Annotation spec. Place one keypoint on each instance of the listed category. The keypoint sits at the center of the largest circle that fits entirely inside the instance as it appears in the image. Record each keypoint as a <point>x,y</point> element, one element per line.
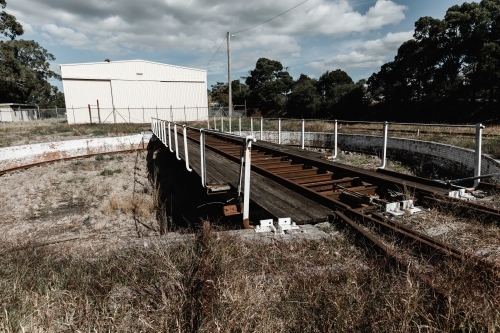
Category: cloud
<point>194,25</point>
<point>366,55</point>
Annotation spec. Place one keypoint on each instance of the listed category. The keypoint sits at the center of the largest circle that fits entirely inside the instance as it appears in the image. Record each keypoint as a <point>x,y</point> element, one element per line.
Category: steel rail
<point>283,176</point>
<point>32,165</point>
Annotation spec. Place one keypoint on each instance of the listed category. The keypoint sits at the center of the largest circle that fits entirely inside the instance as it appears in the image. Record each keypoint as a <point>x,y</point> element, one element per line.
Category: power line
<point>216,52</point>
<point>237,32</point>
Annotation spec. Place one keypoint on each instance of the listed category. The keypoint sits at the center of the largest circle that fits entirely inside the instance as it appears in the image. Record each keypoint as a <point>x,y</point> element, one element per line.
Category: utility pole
<point>230,94</point>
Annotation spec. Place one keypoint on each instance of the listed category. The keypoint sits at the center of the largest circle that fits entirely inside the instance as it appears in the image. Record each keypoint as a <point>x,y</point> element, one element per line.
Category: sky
<point>357,36</point>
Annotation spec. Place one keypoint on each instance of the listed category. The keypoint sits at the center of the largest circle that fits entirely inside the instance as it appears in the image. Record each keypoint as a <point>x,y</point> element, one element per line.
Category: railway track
<point>358,197</point>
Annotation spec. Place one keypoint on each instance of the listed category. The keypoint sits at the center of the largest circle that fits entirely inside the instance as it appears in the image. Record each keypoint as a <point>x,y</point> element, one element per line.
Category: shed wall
<point>163,91</point>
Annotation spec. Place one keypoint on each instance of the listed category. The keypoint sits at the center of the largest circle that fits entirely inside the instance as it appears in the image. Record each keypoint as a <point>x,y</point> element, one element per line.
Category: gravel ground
<point>86,201</point>
<point>90,203</point>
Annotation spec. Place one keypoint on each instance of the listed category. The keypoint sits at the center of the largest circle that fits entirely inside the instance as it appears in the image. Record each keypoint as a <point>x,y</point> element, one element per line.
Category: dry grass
<point>218,283</point>
<point>20,133</point>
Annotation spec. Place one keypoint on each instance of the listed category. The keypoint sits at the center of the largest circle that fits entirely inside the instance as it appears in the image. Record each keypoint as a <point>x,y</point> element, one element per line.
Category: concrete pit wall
<point>442,157</point>
<point>17,156</point>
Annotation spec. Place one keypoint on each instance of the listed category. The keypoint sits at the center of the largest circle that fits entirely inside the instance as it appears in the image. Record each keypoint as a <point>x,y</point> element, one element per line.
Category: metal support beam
<point>303,133</point>
<point>246,189</point>
<point>186,155</point>
<point>202,158</point>
<point>279,131</point>
<point>261,128</point>
<point>478,154</point>
<point>335,139</point>
<point>384,148</point>
<point>176,142</point>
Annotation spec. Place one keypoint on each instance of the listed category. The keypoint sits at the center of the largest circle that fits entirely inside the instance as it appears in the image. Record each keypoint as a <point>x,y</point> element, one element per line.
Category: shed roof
<point>137,70</point>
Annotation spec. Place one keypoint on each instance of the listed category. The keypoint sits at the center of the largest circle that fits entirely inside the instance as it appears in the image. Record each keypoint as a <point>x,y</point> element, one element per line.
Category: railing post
<point>215,124</point>
<point>384,148</point>
<point>303,132</point>
<point>186,156</point>
<point>230,121</point>
<point>478,153</point>
<point>335,132</point>
<point>246,190</point>
<point>279,131</point>
<point>170,138</point>
<point>176,142</point>
<point>261,128</point>
<point>251,125</point>
<point>164,132</point>
<point>239,124</point>
<point>221,123</point>
<point>202,158</point>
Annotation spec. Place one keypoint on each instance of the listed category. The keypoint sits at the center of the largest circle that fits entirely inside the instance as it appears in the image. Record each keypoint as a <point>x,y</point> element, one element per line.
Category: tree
<point>332,87</point>
<point>24,71</point>
<point>9,27</point>
<point>25,68</point>
<point>269,86</point>
<point>454,58</point>
<point>304,100</point>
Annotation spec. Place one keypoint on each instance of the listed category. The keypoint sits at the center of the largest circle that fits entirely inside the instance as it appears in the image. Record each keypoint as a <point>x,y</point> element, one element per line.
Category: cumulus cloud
<point>194,24</point>
<point>366,55</point>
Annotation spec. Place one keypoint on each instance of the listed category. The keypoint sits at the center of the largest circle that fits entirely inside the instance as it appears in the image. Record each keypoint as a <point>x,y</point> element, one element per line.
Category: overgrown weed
<point>217,282</point>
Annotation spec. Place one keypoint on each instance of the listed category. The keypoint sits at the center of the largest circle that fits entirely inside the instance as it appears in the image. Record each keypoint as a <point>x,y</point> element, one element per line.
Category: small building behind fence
<point>10,112</point>
<point>133,91</point>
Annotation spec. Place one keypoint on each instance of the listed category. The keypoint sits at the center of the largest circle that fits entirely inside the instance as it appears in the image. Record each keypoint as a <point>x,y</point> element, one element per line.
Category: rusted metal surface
<point>354,195</point>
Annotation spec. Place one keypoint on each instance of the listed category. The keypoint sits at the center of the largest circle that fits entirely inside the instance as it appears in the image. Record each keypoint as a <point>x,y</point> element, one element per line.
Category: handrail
<point>176,142</point>
<point>186,156</point>
<point>170,138</point>
<point>157,126</point>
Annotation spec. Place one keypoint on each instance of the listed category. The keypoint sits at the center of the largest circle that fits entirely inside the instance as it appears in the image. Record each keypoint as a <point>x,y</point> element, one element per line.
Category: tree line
<point>450,69</point>
<point>25,68</point>
<point>270,90</point>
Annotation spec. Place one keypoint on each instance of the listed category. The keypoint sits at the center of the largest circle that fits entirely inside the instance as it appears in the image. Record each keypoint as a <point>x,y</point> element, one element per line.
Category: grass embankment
<point>217,283</point>
<point>20,133</point>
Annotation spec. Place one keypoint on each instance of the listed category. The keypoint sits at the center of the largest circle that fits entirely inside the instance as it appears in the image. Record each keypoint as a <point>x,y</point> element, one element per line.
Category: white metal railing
<point>385,129</point>
<point>163,129</point>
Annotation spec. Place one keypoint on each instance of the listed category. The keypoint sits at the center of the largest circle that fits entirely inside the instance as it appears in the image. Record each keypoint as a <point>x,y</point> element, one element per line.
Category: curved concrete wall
<point>451,159</point>
<point>16,156</point>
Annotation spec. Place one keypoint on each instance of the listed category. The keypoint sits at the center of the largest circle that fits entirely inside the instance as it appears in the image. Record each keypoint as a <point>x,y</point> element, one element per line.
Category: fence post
<point>335,132</point>
<point>98,111</point>
<point>215,124</point>
<point>239,124</point>
<point>57,114</point>
<point>221,123</point>
<point>261,127</point>
<point>279,131</point>
<point>477,164</point>
<point>230,121</point>
<point>384,149</point>
<point>90,115</point>
<point>303,132</point>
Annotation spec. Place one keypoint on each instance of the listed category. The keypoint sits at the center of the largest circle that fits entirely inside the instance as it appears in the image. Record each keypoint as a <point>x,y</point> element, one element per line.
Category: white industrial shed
<point>10,112</point>
<point>133,91</point>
